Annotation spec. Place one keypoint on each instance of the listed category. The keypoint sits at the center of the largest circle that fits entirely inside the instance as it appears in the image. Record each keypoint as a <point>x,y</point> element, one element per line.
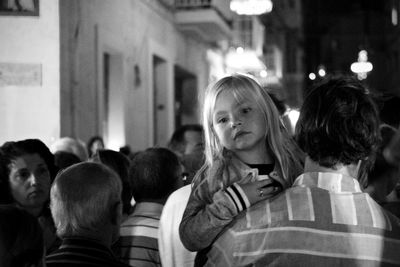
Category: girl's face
<point>240,126</point>
<point>29,180</point>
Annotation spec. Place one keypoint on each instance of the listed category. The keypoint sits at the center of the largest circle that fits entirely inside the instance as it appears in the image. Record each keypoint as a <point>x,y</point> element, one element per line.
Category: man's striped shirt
<point>80,251</point>
<point>323,220</point>
<point>138,243</point>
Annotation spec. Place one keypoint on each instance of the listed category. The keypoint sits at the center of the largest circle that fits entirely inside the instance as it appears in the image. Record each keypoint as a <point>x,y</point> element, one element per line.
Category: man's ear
<point>116,213</point>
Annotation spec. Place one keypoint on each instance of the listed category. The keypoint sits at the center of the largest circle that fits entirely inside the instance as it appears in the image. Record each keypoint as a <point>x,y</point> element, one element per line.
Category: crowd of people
<point>238,190</point>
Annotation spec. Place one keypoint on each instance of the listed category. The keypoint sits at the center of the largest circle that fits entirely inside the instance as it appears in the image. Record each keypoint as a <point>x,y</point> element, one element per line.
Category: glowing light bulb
<point>263,73</point>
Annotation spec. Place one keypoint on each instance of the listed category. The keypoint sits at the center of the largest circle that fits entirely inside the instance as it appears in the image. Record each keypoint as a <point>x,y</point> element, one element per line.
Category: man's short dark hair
<point>65,159</point>
<point>118,162</point>
<point>154,174</point>
<point>178,142</point>
<point>338,123</point>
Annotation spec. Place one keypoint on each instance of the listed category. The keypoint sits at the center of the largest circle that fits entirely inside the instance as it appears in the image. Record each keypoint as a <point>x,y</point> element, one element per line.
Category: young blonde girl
<point>244,137</point>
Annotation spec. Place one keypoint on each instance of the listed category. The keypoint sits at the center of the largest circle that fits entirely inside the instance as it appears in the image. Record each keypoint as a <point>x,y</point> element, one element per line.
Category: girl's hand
<point>260,190</point>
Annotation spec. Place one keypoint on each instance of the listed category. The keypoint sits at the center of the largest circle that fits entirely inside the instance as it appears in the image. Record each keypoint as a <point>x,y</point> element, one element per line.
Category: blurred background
<point>132,71</point>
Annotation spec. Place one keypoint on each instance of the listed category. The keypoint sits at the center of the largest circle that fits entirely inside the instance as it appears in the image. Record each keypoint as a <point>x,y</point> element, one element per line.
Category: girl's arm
<point>207,213</point>
<point>205,217</point>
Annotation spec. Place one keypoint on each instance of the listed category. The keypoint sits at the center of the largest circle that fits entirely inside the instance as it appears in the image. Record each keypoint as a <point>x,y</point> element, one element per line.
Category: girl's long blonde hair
<point>278,141</point>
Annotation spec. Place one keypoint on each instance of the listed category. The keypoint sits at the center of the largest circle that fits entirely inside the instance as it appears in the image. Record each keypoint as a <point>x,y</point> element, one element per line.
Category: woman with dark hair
<point>120,164</point>
<point>95,143</point>
<point>21,238</point>
<point>29,171</point>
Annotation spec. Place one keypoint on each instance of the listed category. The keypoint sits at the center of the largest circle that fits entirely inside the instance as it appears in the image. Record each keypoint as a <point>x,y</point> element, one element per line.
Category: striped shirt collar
<point>89,244</point>
<point>333,182</point>
<point>147,207</point>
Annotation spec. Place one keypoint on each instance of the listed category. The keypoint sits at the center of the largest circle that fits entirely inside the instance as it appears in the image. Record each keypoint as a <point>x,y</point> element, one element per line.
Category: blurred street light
<point>362,66</point>
<point>293,115</point>
<point>263,73</point>
<point>251,7</point>
<point>321,71</point>
<point>241,60</point>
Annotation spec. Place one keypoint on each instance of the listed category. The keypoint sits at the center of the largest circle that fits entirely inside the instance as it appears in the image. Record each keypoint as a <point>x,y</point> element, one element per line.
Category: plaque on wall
<point>20,74</point>
<point>19,7</point>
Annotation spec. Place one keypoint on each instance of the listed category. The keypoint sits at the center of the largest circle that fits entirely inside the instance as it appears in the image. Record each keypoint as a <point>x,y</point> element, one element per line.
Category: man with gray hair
<point>87,211</point>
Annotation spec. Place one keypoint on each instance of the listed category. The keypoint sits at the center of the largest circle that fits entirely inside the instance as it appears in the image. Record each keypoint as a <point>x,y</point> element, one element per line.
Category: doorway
<point>185,97</point>
<point>160,101</point>
<point>113,100</point>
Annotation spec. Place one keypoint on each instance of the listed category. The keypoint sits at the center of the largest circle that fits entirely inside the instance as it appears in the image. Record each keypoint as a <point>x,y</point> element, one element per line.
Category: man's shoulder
<point>283,207</point>
<point>67,263</point>
<point>74,263</point>
<point>180,195</point>
<point>80,252</point>
<point>311,221</point>
<point>143,223</point>
<point>176,204</point>
<point>144,213</point>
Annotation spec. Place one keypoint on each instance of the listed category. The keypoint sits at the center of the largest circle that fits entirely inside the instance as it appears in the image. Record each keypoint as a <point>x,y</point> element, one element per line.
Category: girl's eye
<point>222,120</point>
<point>246,110</point>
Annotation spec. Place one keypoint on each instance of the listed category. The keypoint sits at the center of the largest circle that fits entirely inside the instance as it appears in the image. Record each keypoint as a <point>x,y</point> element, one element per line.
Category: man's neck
<point>349,170</point>
<point>105,240</point>
<point>154,200</point>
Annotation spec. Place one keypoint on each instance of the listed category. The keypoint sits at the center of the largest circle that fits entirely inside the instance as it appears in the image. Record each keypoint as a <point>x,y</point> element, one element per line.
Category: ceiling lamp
<point>251,7</point>
<point>362,66</point>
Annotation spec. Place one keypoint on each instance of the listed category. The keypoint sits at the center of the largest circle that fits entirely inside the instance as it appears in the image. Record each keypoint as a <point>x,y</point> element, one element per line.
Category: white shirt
<point>172,251</point>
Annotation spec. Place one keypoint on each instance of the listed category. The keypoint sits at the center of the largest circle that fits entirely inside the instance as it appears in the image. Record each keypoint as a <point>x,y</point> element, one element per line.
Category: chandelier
<point>251,7</point>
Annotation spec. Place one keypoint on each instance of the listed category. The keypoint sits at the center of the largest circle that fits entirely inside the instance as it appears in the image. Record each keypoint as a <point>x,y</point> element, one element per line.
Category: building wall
<point>135,32</point>
<point>284,51</point>
<point>31,110</point>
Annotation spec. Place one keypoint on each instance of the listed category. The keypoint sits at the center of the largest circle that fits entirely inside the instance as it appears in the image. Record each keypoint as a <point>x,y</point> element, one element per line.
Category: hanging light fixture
<point>251,7</point>
<point>362,66</point>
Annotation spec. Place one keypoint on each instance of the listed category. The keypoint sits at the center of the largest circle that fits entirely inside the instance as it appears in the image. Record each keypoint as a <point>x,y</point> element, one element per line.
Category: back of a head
<point>119,163</point>
<point>338,123</point>
<point>115,160</point>
<point>21,238</point>
<point>154,173</point>
<point>65,159</point>
<point>71,145</point>
<point>82,197</point>
<point>126,150</point>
